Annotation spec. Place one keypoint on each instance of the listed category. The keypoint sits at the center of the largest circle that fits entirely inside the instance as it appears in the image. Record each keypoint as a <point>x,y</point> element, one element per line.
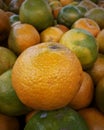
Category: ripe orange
<point>84,96</point>
<point>87,24</point>
<point>83,44</point>
<point>51,34</point>
<point>100,41</point>
<point>47,76</point>
<point>22,36</point>
<point>93,117</point>
<point>9,123</point>
<point>7,59</point>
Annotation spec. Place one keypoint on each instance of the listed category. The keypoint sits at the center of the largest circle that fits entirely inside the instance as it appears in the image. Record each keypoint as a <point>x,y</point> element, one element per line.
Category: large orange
<point>47,76</point>
<point>22,36</point>
<point>84,96</point>
<point>93,117</point>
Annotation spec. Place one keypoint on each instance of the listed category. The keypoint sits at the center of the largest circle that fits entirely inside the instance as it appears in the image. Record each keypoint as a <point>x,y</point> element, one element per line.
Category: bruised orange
<point>47,76</point>
<point>84,96</point>
<point>22,36</point>
<point>87,24</point>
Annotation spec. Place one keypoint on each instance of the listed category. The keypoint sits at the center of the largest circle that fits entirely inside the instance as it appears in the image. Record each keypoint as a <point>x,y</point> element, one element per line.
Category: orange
<point>97,14</point>
<point>84,96</point>
<point>87,24</point>
<point>93,117</point>
<point>4,25</point>
<point>22,36</point>
<point>99,94</point>
<point>37,13</point>
<point>9,102</point>
<point>83,44</point>
<point>9,123</point>
<point>61,119</point>
<point>65,2</point>
<point>62,27</point>
<point>100,41</point>
<point>88,4</point>
<point>51,34</point>
<point>68,15</point>
<point>47,76</point>
<point>7,59</point>
<point>29,115</point>
<point>97,70</point>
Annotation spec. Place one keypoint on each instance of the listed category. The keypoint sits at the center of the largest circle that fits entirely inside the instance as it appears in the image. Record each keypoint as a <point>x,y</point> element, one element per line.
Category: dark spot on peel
<point>54,46</point>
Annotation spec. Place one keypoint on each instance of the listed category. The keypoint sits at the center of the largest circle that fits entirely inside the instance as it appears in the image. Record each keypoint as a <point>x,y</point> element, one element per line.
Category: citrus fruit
<point>82,9</point>
<point>97,70</point>
<point>50,120</point>
<point>4,25</point>
<point>29,115</point>
<point>97,14</point>
<point>47,76</point>
<point>83,44</point>
<point>68,15</point>
<point>37,13</point>
<point>88,4</point>
<point>62,27</point>
<point>22,36</point>
<point>51,34</point>
<point>55,6</point>
<point>93,117</point>
<point>7,59</point>
<point>9,123</point>
<point>66,2</point>
<point>87,24</point>
<point>99,94</point>
<point>100,41</point>
<point>9,102</point>
<point>84,96</point>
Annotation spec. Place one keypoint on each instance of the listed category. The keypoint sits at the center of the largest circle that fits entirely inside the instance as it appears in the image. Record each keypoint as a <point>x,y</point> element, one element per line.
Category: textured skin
<point>47,76</point>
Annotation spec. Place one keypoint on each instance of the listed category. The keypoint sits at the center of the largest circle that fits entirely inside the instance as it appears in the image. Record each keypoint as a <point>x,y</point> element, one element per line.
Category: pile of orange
<point>52,57</point>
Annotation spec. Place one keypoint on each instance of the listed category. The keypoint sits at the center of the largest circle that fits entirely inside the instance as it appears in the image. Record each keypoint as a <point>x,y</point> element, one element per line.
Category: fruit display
<point>52,65</point>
